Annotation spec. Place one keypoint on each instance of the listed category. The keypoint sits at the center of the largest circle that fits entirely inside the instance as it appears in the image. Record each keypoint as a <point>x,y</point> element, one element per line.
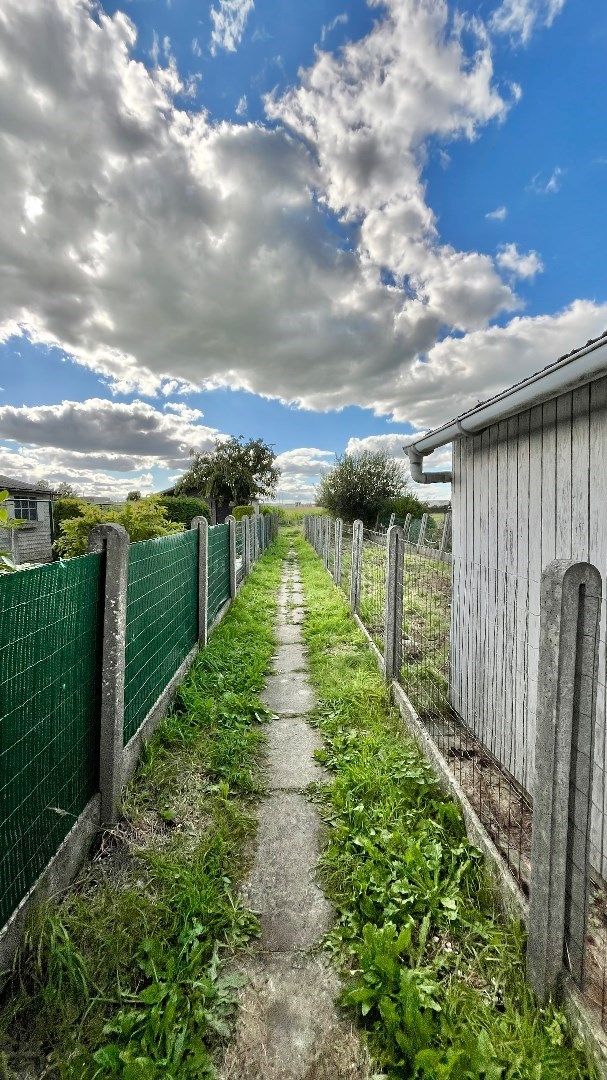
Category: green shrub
<point>64,509</point>
<point>183,508</point>
<point>142,520</point>
<point>241,512</point>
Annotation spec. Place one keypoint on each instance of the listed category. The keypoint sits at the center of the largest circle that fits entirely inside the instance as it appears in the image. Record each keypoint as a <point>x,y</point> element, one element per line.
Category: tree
<point>142,520</point>
<point>233,473</point>
<point>133,496</point>
<point>65,491</point>
<point>360,485</point>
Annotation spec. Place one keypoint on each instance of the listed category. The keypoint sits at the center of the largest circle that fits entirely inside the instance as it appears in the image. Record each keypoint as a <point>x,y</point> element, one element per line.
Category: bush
<point>142,520</point>
<point>240,512</point>
<point>359,485</point>
<point>401,506</point>
<point>64,509</point>
<point>183,508</point>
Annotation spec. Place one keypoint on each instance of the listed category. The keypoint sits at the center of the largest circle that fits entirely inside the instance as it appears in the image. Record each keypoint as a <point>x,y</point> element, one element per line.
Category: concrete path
<point>288,1027</point>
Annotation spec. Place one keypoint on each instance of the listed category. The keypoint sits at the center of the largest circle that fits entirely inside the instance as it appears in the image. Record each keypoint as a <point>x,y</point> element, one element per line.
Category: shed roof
<point>8,483</point>
<point>581,365</point>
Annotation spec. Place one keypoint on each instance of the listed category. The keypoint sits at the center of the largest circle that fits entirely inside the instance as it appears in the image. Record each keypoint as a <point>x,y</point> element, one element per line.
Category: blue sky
<point>363,217</point>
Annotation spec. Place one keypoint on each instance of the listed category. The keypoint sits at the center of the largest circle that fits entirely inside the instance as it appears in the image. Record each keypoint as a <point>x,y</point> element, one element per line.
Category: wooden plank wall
<point>527,490</point>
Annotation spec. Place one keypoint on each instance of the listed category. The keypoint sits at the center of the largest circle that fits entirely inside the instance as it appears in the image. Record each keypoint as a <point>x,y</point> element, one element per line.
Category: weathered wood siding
<point>32,544</point>
<point>525,491</point>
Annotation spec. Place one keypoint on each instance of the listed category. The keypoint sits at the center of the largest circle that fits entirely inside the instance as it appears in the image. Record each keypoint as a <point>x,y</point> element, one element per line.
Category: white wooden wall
<point>525,491</point>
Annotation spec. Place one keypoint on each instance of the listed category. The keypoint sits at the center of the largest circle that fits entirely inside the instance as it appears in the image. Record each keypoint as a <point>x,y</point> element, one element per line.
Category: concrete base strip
<point>288,1027</point>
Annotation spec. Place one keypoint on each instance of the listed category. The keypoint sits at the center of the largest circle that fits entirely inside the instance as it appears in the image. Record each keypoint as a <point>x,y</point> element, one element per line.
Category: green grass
<point>125,977</point>
<point>432,971</point>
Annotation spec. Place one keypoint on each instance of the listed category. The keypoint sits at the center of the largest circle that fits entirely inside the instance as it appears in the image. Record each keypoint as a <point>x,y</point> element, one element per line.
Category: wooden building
<point>529,484</point>
<point>32,505</point>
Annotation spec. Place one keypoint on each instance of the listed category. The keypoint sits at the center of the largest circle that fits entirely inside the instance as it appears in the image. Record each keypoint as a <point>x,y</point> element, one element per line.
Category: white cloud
<point>339,20</point>
<point>109,434</point>
<point>522,265</point>
<point>499,214</point>
<point>242,106</point>
<point>520,18</point>
<point>196,47</point>
<point>461,371</point>
<point>229,21</point>
<point>87,475</point>
<point>173,252</point>
<point>301,470</point>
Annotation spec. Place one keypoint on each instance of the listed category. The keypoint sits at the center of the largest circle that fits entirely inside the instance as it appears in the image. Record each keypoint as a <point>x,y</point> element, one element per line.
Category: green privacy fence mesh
<point>161,619</point>
<point>50,659</point>
<point>219,570</point>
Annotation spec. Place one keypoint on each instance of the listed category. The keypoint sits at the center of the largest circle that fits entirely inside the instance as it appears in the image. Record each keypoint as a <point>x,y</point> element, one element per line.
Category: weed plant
<point>433,972</point>
<point>125,977</point>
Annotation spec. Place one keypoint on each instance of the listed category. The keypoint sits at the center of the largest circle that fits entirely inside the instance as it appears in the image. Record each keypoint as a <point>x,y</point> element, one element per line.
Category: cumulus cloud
<point>87,474</point>
<point>166,251</point>
<point>492,359</point>
<point>520,18</point>
<point>118,435</point>
<point>229,21</point>
<point>523,265</point>
<point>300,472</point>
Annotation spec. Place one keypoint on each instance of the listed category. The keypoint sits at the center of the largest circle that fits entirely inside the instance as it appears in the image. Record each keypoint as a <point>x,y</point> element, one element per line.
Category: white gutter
<point>580,367</point>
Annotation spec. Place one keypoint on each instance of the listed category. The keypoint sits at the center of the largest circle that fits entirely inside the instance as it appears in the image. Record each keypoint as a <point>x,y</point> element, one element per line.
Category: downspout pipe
<point>574,370</point>
<point>416,459</point>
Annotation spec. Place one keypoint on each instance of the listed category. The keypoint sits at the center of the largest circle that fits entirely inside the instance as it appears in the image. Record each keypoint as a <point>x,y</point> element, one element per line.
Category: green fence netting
<point>50,656</point>
<point>219,570</point>
<point>161,619</point>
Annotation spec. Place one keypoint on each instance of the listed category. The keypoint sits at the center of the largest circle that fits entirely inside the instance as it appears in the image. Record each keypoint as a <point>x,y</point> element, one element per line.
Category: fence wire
<point>49,714</point>
<point>373,585</point>
<point>240,527</point>
<point>219,570</point>
<point>161,619</point>
<point>346,559</point>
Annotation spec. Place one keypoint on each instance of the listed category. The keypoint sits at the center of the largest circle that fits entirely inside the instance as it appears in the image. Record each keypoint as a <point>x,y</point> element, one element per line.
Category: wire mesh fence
<point>240,528</point>
<point>468,665</point>
<point>49,707</point>
<point>373,585</point>
<point>219,570</point>
<point>54,652</point>
<point>161,619</point>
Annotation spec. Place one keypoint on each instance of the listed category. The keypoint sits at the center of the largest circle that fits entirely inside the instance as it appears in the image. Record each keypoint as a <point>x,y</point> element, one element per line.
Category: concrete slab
<point>293,911</point>
<point>291,746</point>
<point>289,694</point>
<point>296,616</point>
<point>288,634</point>
<point>288,1028</point>
<point>289,658</point>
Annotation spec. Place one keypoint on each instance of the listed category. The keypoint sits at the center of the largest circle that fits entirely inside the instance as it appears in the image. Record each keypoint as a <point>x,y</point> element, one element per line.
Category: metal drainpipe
<point>417,473</point>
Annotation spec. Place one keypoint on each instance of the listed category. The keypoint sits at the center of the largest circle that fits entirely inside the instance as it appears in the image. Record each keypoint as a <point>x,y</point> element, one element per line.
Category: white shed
<point>529,486</point>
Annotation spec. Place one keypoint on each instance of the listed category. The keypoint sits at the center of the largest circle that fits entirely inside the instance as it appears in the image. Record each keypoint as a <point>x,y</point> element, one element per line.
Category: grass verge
<point>432,971</point>
<point>124,977</point>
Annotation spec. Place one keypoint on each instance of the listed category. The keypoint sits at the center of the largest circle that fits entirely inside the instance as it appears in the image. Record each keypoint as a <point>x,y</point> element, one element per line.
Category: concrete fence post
<point>357,565</point>
<point>112,541</point>
<point>406,527</point>
<point>422,532</point>
<point>202,525</point>
<point>445,533</point>
<point>339,528</point>
<point>570,604</point>
<point>231,522</point>
<point>393,630</point>
<point>391,521</point>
